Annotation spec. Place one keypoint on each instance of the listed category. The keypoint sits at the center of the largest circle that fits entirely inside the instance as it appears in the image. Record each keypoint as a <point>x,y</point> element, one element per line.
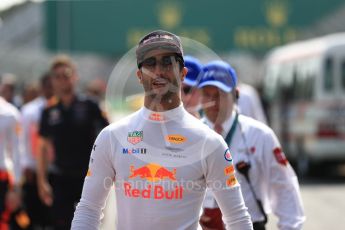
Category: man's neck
<point>161,105</point>
<point>67,99</point>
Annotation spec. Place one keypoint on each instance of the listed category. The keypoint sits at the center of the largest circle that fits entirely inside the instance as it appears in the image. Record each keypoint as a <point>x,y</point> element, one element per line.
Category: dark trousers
<point>39,214</point>
<point>259,225</point>
<point>67,191</point>
<point>16,220</point>
<point>212,219</point>
<point>4,213</point>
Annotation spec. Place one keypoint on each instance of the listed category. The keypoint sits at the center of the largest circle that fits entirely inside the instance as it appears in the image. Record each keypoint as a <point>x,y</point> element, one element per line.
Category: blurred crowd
<point>47,129</point>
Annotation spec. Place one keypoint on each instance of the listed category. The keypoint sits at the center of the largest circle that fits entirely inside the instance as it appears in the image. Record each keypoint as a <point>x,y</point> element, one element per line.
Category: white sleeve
<point>283,188</point>
<point>98,181</point>
<point>220,178</point>
<point>26,137</point>
<point>14,146</point>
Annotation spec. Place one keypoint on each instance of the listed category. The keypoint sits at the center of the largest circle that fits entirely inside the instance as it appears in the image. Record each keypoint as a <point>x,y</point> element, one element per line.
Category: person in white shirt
<point>9,149</point>
<point>161,158</point>
<point>249,103</point>
<point>268,181</point>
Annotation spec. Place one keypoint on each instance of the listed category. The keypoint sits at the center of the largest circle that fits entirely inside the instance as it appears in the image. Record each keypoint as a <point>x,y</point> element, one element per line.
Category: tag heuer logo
<point>135,137</point>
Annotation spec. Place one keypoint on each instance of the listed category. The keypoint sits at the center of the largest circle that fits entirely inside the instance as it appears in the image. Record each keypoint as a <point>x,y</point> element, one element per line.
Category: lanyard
<point>230,134</point>
<point>243,167</point>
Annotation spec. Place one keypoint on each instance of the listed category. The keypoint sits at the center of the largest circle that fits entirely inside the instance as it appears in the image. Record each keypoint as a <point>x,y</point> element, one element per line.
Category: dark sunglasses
<point>166,62</point>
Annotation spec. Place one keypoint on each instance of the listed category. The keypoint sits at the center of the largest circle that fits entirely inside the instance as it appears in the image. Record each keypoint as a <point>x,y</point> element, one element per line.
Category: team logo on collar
<point>156,117</point>
<point>135,137</point>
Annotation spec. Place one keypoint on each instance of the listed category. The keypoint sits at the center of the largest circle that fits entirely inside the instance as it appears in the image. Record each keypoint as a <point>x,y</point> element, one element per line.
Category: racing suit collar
<point>153,116</point>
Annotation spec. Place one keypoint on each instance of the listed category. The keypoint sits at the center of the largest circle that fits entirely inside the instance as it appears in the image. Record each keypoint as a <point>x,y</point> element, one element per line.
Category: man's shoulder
<point>84,99</point>
<point>253,125</point>
<point>9,110</point>
<point>33,106</point>
<point>199,125</point>
<point>123,122</point>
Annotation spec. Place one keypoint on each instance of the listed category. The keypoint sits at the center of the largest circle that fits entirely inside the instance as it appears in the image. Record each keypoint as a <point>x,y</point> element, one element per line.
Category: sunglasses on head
<point>166,62</point>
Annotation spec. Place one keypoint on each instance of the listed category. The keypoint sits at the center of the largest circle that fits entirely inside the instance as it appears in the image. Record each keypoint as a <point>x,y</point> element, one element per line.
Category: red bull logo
<point>156,117</point>
<point>153,173</point>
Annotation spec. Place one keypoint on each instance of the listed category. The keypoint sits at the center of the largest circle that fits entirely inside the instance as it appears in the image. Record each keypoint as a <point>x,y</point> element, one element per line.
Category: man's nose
<point>159,70</point>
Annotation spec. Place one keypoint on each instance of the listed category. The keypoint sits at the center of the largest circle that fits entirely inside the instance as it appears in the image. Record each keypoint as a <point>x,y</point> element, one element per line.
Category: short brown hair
<point>62,60</point>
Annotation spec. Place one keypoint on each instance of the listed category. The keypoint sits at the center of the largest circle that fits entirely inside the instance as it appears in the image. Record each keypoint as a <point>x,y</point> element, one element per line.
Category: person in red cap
<point>161,158</point>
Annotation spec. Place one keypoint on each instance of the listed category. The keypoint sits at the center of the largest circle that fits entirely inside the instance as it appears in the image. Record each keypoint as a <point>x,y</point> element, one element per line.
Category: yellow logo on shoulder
<point>231,181</point>
<point>88,173</point>
<point>175,139</point>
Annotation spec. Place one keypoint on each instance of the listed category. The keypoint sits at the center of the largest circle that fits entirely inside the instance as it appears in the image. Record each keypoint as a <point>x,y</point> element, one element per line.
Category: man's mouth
<point>160,82</point>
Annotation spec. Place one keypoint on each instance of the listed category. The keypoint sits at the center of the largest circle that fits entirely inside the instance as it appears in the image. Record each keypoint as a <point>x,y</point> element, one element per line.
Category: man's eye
<point>166,61</point>
<point>150,62</point>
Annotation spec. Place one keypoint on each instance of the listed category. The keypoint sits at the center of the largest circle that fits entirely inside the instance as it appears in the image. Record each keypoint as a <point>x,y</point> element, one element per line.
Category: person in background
<point>160,157</point>
<point>267,179</point>
<point>190,92</point>
<point>8,89</point>
<point>10,199</point>
<point>30,92</point>
<point>39,213</point>
<point>249,103</point>
<point>68,128</point>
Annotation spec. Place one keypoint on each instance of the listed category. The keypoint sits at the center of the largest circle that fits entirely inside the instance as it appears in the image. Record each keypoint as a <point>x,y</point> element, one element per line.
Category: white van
<point>304,84</point>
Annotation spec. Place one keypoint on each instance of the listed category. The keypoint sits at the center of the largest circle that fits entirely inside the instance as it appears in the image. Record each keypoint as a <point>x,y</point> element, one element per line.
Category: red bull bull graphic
<point>153,173</point>
<point>135,137</point>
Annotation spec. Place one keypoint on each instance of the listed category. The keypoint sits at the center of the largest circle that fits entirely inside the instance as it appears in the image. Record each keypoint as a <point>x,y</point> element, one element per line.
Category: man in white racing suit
<point>161,158</point>
<point>267,180</point>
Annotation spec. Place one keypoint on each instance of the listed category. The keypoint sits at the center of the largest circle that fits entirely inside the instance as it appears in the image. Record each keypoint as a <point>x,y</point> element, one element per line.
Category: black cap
<point>158,39</point>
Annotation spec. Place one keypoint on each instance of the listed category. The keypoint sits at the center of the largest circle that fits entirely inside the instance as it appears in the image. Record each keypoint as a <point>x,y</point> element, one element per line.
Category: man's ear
<point>237,93</point>
<point>184,73</point>
<point>140,76</point>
